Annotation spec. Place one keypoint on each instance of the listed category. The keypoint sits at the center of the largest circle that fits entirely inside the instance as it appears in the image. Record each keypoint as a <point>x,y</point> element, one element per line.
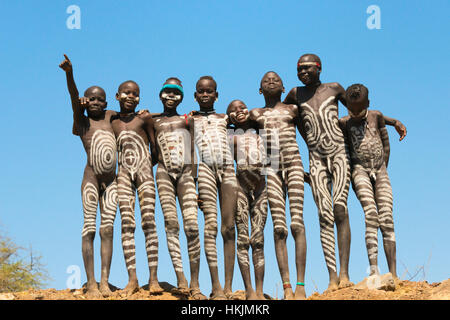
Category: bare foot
<point>154,288</point>
<point>260,296</point>
<point>300,293</point>
<point>288,294</point>
<point>344,282</point>
<point>92,291</point>
<point>251,295</point>
<point>104,289</point>
<point>132,287</point>
<point>196,294</point>
<point>218,295</point>
<point>228,293</point>
<point>333,286</point>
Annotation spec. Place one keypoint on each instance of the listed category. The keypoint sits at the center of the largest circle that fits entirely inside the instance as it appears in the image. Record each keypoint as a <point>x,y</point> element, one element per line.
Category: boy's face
<point>97,102</point>
<point>271,84</point>
<point>205,93</point>
<point>238,112</point>
<point>128,96</point>
<point>171,97</point>
<point>357,108</point>
<point>308,74</point>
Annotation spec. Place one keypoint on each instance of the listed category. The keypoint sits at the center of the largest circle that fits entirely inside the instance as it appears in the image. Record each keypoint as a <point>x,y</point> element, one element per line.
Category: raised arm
<point>384,138</point>
<point>77,105</point>
<point>401,129</point>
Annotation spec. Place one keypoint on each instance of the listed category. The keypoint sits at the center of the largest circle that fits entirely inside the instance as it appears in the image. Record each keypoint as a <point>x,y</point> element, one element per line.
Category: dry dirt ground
<point>405,290</point>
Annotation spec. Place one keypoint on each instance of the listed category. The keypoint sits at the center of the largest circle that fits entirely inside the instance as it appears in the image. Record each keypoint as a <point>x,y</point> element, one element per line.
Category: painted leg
<point>258,221</point>
<point>90,202</point>
<point>166,191</point>
<point>187,198</point>
<point>228,199</point>
<point>384,199</point>
<point>321,189</point>
<point>108,205</point>
<point>207,190</point>
<point>341,184</point>
<point>126,197</point>
<point>243,243</point>
<point>277,197</point>
<point>364,191</point>
<point>296,195</point>
<point>147,195</point>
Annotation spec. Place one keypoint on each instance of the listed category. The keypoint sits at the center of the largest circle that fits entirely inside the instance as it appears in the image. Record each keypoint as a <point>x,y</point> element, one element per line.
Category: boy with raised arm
<point>369,148</point>
<point>134,132</point>
<point>276,121</point>
<point>99,185</point>
<point>249,154</point>
<point>328,163</point>
<point>215,175</point>
<point>174,179</point>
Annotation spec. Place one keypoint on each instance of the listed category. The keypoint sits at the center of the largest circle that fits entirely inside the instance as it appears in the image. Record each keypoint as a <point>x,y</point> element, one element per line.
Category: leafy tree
<point>20,269</point>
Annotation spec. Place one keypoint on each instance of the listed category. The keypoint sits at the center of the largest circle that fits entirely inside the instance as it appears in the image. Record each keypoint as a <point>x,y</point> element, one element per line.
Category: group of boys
<point>251,167</point>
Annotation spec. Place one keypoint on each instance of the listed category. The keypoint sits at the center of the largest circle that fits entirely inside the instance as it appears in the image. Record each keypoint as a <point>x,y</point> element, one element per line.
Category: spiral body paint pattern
<point>329,168</point>
<point>135,174</point>
<point>103,152</point>
<point>372,186</point>
<point>250,160</point>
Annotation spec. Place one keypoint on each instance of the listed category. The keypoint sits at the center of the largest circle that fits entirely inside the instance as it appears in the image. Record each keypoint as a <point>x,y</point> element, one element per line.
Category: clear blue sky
<point>404,65</point>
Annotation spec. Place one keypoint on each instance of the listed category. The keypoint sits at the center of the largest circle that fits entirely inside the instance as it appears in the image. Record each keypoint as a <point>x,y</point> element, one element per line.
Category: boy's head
<point>128,96</point>
<point>97,101</point>
<point>171,93</point>
<point>271,84</point>
<point>206,92</point>
<point>357,97</point>
<point>238,112</point>
<point>309,67</point>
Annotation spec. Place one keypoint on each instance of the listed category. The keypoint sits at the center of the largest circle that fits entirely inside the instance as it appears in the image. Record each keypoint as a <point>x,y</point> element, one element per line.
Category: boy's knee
<point>280,233</point>
<point>172,226</point>
<point>297,229</point>
<point>257,243</point>
<point>191,231</point>
<point>88,235</point>
<point>340,214</point>
<point>243,244</point>
<point>106,232</point>
<point>228,231</point>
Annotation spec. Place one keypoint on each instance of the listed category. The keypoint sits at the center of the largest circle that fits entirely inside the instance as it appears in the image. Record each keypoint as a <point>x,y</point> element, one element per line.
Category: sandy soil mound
<point>404,290</point>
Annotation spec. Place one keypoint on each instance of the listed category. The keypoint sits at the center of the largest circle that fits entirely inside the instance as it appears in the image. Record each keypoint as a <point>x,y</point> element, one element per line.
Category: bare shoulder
<point>335,86</point>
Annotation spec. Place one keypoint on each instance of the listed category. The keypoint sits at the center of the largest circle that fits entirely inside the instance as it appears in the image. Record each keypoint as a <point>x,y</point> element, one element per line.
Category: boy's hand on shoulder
<point>66,65</point>
<point>142,112</point>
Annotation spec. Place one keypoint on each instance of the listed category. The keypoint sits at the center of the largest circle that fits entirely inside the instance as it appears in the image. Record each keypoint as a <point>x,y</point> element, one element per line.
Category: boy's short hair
<point>357,92</point>
<point>208,78</point>
<point>126,82</point>
<point>174,79</point>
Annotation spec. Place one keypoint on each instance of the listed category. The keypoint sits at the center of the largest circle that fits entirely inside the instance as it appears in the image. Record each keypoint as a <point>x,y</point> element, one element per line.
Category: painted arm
<point>77,105</point>
<point>384,138</point>
<point>340,93</point>
<point>190,119</point>
<point>150,129</point>
<point>291,97</point>
<point>401,129</point>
